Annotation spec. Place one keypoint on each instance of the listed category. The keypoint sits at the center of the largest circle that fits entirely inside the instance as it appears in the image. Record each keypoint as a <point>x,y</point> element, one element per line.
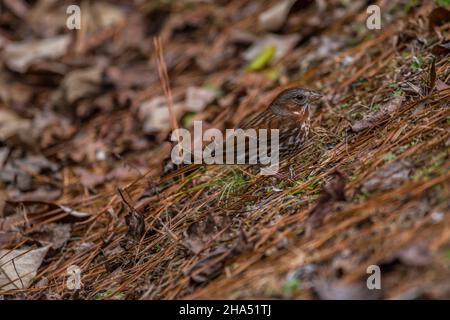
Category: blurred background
<point>83,112</point>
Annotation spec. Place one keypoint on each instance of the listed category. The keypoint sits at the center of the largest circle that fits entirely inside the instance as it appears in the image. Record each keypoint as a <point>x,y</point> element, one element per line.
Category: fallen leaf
<point>83,247</point>
<point>339,290</point>
<point>136,225</point>
<point>9,238</point>
<point>19,267</point>
<point>106,14</point>
<point>87,178</point>
<point>372,119</point>
<point>199,234</point>
<point>441,85</point>
<point>82,83</point>
<point>213,262</point>
<point>273,18</point>
<point>13,222</point>
<point>389,176</point>
<point>20,55</point>
<point>209,266</point>
<point>417,255</point>
<point>134,76</point>
<point>198,98</point>
<point>46,18</point>
<point>438,17</point>
<point>12,125</point>
<point>441,49</point>
<point>19,7</point>
<point>324,47</point>
<point>134,220</point>
<point>51,128</point>
<point>40,194</point>
<point>155,114</point>
<point>53,235</point>
<point>332,192</point>
<point>20,172</point>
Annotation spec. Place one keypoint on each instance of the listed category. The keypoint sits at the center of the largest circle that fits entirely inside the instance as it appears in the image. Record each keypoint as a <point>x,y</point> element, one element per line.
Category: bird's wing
<point>251,121</point>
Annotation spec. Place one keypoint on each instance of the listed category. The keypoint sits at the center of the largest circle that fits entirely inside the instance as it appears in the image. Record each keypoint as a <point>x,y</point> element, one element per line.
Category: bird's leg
<point>276,180</point>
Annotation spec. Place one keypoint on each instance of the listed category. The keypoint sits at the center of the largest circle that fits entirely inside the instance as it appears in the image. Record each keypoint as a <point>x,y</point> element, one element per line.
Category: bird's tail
<point>210,150</point>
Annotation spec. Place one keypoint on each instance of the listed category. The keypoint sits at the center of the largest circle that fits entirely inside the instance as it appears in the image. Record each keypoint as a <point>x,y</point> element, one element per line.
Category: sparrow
<point>289,112</point>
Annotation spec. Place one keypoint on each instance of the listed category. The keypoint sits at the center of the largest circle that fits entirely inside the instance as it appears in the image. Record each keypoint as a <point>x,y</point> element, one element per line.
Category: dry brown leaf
<point>155,114</point>
<point>11,124</point>
<point>372,119</point>
<point>198,98</point>
<point>82,83</point>
<point>389,176</point>
<point>20,55</point>
<point>201,233</point>
<point>441,49</point>
<point>417,255</point>
<point>52,234</point>
<point>438,17</point>
<point>106,14</point>
<point>19,267</point>
<point>332,192</point>
<point>339,290</point>
<point>273,18</point>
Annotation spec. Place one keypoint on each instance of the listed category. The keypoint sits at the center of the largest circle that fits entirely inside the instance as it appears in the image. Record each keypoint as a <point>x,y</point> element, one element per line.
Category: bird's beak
<point>314,96</point>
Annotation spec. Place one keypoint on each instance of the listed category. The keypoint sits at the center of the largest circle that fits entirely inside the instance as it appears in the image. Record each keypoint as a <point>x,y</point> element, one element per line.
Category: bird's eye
<point>299,98</point>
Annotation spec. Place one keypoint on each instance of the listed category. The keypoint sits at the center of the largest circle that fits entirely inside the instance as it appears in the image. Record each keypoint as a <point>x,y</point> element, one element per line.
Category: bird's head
<point>295,101</point>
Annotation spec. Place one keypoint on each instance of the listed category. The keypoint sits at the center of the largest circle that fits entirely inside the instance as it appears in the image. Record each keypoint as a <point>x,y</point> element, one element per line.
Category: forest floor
<point>84,131</point>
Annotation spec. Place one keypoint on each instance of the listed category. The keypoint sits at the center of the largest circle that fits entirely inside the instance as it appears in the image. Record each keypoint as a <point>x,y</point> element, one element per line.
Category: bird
<point>289,112</point>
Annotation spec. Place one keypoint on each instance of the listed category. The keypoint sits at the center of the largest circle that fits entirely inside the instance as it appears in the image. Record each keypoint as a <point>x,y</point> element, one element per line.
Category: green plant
<point>416,64</point>
<point>291,285</point>
<point>110,293</point>
<point>231,184</point>
<point>442,3</point>
<point>388,156</point>
<point>262,59</point>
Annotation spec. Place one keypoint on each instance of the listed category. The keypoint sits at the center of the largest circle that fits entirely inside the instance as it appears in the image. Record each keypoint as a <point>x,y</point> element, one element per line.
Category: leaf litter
<point>83,117</point>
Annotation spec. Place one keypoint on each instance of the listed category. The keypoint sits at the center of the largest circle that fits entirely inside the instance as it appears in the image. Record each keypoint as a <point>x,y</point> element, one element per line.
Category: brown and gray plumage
<point>289,112</point>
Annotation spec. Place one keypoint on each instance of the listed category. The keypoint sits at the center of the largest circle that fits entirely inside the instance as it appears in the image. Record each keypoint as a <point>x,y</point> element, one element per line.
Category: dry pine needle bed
<point>82,162</point>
